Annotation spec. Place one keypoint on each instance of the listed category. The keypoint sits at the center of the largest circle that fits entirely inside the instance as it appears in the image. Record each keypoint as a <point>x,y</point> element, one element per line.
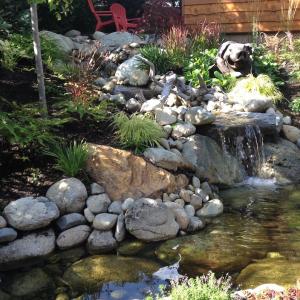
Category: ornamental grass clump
<point>137,132</point>
<point>206,287</point>
<point>262,85</point>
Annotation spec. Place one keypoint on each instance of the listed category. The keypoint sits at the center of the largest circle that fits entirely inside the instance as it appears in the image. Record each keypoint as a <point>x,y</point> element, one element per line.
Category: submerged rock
<point>30,213</point>
<point>34,245</point>
<point>149,220</point>
<point>279,271</point>
<point>125,175</point>
<point>211,162</point>
<point>91,272</point>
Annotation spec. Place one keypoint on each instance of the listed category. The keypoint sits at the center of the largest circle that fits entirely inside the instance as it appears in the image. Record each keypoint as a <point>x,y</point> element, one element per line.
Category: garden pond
<point>256,241</point>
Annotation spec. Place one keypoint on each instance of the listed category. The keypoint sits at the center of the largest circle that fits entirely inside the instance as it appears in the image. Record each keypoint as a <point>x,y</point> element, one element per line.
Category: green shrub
<point>70,159</point>
<point>199,64</point>
<point>206,287</point>
<point>25,126</point>
<point>137,132</point>
<point>158,56</point>
<point>226,81</point>
<point>265,62</point>
<point>295,105</point>
<point>262,85</point>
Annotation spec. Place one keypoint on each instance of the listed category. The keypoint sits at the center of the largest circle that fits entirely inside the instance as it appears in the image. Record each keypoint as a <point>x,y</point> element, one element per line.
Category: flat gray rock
<point>30,213</point>
<point>33,245</point>
<point>71,220</point>
<point>69,195</point>
<point>7,235</point>
<point>101,242</point>
<point>73,237</point>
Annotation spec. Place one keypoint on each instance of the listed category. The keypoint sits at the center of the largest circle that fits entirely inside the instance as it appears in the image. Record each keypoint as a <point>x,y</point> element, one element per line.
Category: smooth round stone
<point>186,195</point>
<point>89,215</point>
<point>97,189</point>
<point>211,209</point>
<point>7,235</point>
<point>69,195</point>
<point>98,204</point>
<point>182,218</point>
<point>115,207</point>
<point>3,222</point>
<point>190,210</point>
<point>101,242</point>
<point>120,228</point>
<point>206,188</point>
<point>71,220</point>
<point>127,204</point>
<point>30,213</point>
<point>196,201</point>
<point>173,197</point>
<point>180,202</point>
<point>73,237</point>
<point>196,182</point>
<point>105,221</point>
<point>195,224</point>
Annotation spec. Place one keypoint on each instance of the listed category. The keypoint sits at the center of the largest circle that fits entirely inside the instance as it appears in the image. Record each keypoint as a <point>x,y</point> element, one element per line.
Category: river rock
<point>133,71</point>
<point>182,218</point>
<point>279,271</point>
<point>196,201</point>
<point>211,162</point>
<point>151,105</point>
<point>98,203</point>
<point>125,175</point>
<point>69,195</point>
<point>105,221</point>
<point>282,162</point>
<point>3,222</point>
<point>196,182</point>
<point>89,215</point>
<point>292,133</point>
<point>7,235</point>
<point>148,220</point>
<point>195,224</point>
<point>71,220</point>
<point>29,284</point>
<point>133,105</point>
<point>101,242</point>
<point>33,245</point>
<point>197,115</point>
<point>165,159</point>
<point>127,204</point>
<point>115,207</point>
<point>190,210</point>
<point>30,213</point>
<point>221,247</point>
<point>98,35</point>
<point>183,130</point>
<point>64,43</point>
<point>165,116</point>
<point>73,237</point>
<point>118,39</point>
<point>211,209</point>
<point>90,272</point>
<point>97,189</point>
<point>120,228</point>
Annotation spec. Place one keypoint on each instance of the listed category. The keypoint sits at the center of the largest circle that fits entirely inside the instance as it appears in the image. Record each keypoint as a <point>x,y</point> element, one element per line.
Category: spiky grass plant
<point>137,132</point>
<point>261,85</point>
<point>70,159</point>
<point>206,287</point>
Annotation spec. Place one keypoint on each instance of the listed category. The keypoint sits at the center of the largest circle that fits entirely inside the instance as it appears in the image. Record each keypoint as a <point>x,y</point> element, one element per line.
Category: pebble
<point>196,182</point>
<point>186,195</point>
<point>180,202</point>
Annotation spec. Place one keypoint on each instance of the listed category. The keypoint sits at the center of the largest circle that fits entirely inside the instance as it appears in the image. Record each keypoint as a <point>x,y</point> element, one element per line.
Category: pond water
<point>256,241</point>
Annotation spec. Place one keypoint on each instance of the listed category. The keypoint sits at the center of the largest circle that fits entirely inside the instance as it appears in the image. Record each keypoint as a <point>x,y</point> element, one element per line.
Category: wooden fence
<point>237,16</point>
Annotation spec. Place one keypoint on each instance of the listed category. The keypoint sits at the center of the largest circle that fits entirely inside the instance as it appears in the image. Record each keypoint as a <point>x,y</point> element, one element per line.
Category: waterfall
<point>246,146</point>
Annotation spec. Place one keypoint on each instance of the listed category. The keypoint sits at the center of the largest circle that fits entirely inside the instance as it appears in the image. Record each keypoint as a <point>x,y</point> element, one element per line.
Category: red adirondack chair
<point>120,18</point>
<point>98,14</point>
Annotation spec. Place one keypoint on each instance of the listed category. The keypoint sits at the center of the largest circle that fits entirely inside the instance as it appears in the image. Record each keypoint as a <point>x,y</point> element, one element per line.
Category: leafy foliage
<point>262,85</point>
<point>25,126</point>
<point>70,159</point>
<point>226,81</point>
<point>206,287</point>
<point>137,132</point>
<point>295,105</point>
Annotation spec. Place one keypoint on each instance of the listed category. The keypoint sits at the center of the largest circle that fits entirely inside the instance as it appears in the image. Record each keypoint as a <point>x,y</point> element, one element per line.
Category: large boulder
<point>271,270</point>
<point>125,175</point>
<point>211,162</point>
<point>133,71</point>
<point>89,273</point>
<point>166,159</point>
<point>282,162</point>
<point>34,245</point>
<point>149,220</point>
<point>31,213</point>
<point>64,43</point>
<point>69,195</point>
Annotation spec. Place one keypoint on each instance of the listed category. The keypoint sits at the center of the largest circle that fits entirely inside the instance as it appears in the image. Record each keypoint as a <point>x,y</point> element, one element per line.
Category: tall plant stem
<point>38,58</point>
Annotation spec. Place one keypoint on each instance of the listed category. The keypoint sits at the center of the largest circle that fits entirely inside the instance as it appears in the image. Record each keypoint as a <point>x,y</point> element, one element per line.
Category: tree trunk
<point>38,58</point>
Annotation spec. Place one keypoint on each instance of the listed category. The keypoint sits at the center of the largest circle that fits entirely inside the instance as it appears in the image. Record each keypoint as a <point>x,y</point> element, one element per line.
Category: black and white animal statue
<point>235,59</point>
